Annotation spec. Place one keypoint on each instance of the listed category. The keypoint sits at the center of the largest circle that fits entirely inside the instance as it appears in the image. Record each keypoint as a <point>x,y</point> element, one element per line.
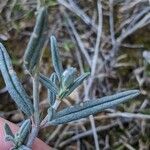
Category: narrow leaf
<point>8,131</point>
<point>24,131</point>
<point>48,83</point>
<point>52,95</point>
<point>91,107</point>
<point>55,57</point>
<point>13,84</point>
<point>37,40</point>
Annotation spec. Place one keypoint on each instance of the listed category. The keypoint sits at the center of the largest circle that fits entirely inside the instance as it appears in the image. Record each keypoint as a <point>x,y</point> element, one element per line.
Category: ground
<point>119,32</point>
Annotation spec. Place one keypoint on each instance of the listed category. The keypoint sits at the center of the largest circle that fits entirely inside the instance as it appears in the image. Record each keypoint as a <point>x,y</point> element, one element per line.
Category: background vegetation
<point>110,38</point>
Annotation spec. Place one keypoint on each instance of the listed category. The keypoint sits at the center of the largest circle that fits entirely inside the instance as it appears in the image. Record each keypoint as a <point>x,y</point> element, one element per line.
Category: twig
<point>143,22</point>
<point>74,8</point>
<point>132,4</point>
<point>54,133</point>
<point>78,39</point>
<point>61,136</point>
<point>87,133</point>
<point>111,21</point>
<point>94,132</point>
<point>98,39</point>
<point>127,145</point>
<point>93,68</point>
<point>95,57</point>
<point>107,146</point>
<point>77,51</point>
<point>124,114</point>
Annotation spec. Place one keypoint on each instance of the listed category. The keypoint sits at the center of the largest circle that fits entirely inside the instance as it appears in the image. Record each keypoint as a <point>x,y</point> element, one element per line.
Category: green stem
<point>36,127</point>
<point>55,106</point>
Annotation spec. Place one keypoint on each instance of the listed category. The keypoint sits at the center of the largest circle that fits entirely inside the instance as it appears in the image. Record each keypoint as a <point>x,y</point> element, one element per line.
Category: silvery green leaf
<point>23,132</point>
<point>51,112</point>
<point>37,40</point>
<point>9,136</point>
<point>74,85</point>
<point>55,57</point>
<point>48,83</point>
<point>91,107</point>
<point>52,95</point>
<point>13,84</point>
<point>8,130</point>
<point>68,77</point>
<point>25,129</point>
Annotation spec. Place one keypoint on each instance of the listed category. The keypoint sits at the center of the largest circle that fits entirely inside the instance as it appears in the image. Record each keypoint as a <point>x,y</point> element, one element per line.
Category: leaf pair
<point>50,83</point>
<point>13,84</point>
<point>37,40</point>
<point>20,137</point>
<point>67,78</point>
<point>91,107</point>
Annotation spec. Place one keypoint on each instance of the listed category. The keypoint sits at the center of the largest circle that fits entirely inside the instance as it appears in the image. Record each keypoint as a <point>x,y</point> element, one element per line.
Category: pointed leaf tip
<point>23,132</point>
<point>55,57</point>
<point>48,84</point>
<point>8,130</point>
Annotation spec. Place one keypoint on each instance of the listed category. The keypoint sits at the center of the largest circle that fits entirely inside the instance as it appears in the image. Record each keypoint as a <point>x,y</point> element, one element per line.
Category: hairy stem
<point>35,128</point>
<point>45,120</point>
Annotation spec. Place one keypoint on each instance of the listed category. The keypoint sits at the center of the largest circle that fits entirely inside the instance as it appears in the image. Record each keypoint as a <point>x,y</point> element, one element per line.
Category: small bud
<point>68,77</point>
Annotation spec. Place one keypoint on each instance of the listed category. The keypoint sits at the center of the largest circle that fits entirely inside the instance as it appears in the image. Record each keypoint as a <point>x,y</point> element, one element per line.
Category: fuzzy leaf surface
<point>13,84</point>
<point>48,83</point>
<point>91,107</point>
<point>37,40</point>
<point>24,130</point>
<point>52,95</point>
<point>55,57</point>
